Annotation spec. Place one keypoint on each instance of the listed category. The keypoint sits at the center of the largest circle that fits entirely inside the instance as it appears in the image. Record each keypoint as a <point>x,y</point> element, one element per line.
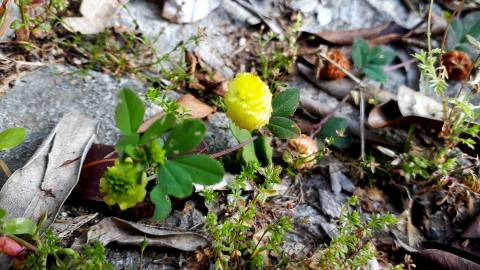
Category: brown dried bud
<point>458,65</point>
<point>330,71</point>
<point>301,149</point>
<point>22,34</point>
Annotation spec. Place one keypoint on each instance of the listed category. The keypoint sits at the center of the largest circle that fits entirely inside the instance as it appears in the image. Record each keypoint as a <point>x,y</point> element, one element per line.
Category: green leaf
<point>360,52</point>
<point>455,34</point>
<point>248,151</point>
<point>381,56</point>
<point>129,112</point>
<point>283,128</point>
<point>330,128</point>
<point>11,137</point>
<point>471,24</point>
<point>19,226</point>
<point>376,73</point>
<point>127,140</point>
<point>175,180</point>
<point>286,103</point>
<point>3,213</point>
<point>163,206</point>
<point>185,137</point>
<point>264,150</point>
<point>158,128</point>
<point>202,168</point>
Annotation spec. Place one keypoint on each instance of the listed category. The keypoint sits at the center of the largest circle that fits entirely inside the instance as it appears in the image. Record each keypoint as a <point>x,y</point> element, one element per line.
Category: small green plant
<point>233,246</point>
<point>352,247</point>
<point>459,31</point>
<point>371,61</point>
<point>278,54</point>
<point>44,250</point>
<point>167,158</point>
<point>50,255</point>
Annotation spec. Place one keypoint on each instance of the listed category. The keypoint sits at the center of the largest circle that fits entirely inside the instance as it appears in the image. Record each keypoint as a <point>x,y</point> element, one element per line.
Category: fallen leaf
<point>188,11</point>
<point>204,77</point>
<point>64,227</point>
<point>410,107</point>
<point>88,185</point>
<point>97,15</point>
<point>124,232</point>
<point>196,107</point>
<point>442,260</point>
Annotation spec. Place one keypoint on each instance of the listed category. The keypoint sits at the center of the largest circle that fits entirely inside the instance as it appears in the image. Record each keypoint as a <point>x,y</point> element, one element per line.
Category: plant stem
<point>329,115</point>
<point>429,28</point>
<point>234,148</point>
<point>23,242</point>
<point>98,162</point>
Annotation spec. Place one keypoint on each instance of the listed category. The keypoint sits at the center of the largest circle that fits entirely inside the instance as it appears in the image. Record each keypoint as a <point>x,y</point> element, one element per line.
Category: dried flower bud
<point>22,34</point>
<point>248,101</point>
<point>330,71</point>
<point>458,65</point>
<point>303,149</point>
<point>9,247</point>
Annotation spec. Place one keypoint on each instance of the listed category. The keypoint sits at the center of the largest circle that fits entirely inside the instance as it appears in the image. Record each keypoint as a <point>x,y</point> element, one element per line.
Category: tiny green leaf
<point>185,137</point>
<point>360,51</point>
<point>163,206</point>
<point>3,213</point>
<point>202,168</point>
<point>381,56</point>
<point>248,151</point>
<point>330,129</point>
<point>283,128</point>
<point>19,226</point>
<point>285,104</point>
<point>158,128</point>
<point>129,112</point>
<point>11,137</point>
<point>376,73</point>
<point>264,150</point>
<point>126,140</point>
<point>175,180</point>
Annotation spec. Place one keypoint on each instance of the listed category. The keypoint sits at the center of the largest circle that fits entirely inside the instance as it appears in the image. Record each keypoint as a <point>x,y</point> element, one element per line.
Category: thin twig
<point>5,168</point>
<point>97,162</point>
<point>22,242</point>
<point>362,123</point>
<point>329,115</point>
<point>401,65</point>
<point>234,148</point>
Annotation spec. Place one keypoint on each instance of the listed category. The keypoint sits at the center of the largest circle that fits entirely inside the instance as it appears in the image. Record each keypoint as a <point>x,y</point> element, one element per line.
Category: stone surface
<point>38,101</point>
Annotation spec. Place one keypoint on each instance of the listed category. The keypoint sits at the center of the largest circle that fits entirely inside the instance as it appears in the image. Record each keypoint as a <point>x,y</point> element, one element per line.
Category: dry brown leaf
<point>123,232</point>
<point>97,15</point>
<point>197,108</point>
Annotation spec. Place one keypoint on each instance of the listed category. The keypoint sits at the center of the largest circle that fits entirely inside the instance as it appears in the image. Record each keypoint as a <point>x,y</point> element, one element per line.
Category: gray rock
<point>330,203</point>
<point>312,222</point>
<point>38,100</point>
<point>218,136</point>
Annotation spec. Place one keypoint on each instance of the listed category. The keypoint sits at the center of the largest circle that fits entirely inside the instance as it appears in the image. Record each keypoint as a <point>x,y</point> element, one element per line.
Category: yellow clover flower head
<point>123,184</point>
<point>248,101</point>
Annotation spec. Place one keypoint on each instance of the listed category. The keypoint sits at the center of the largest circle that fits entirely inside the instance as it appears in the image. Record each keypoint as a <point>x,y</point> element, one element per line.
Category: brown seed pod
<point>301,148</point>
<point>458,65</point>
<point>330,71</point>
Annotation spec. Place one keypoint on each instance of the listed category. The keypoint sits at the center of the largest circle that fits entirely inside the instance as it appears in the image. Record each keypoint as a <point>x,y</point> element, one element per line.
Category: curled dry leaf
<point>124,232</point>
<point>197,108</point>
<point>9,247</point>
<point>188,11</point>
<point>204,77</point>
<point>97,15</point>
<point>93,168</point>
<point>411,107</point>
<point>442,260</point>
